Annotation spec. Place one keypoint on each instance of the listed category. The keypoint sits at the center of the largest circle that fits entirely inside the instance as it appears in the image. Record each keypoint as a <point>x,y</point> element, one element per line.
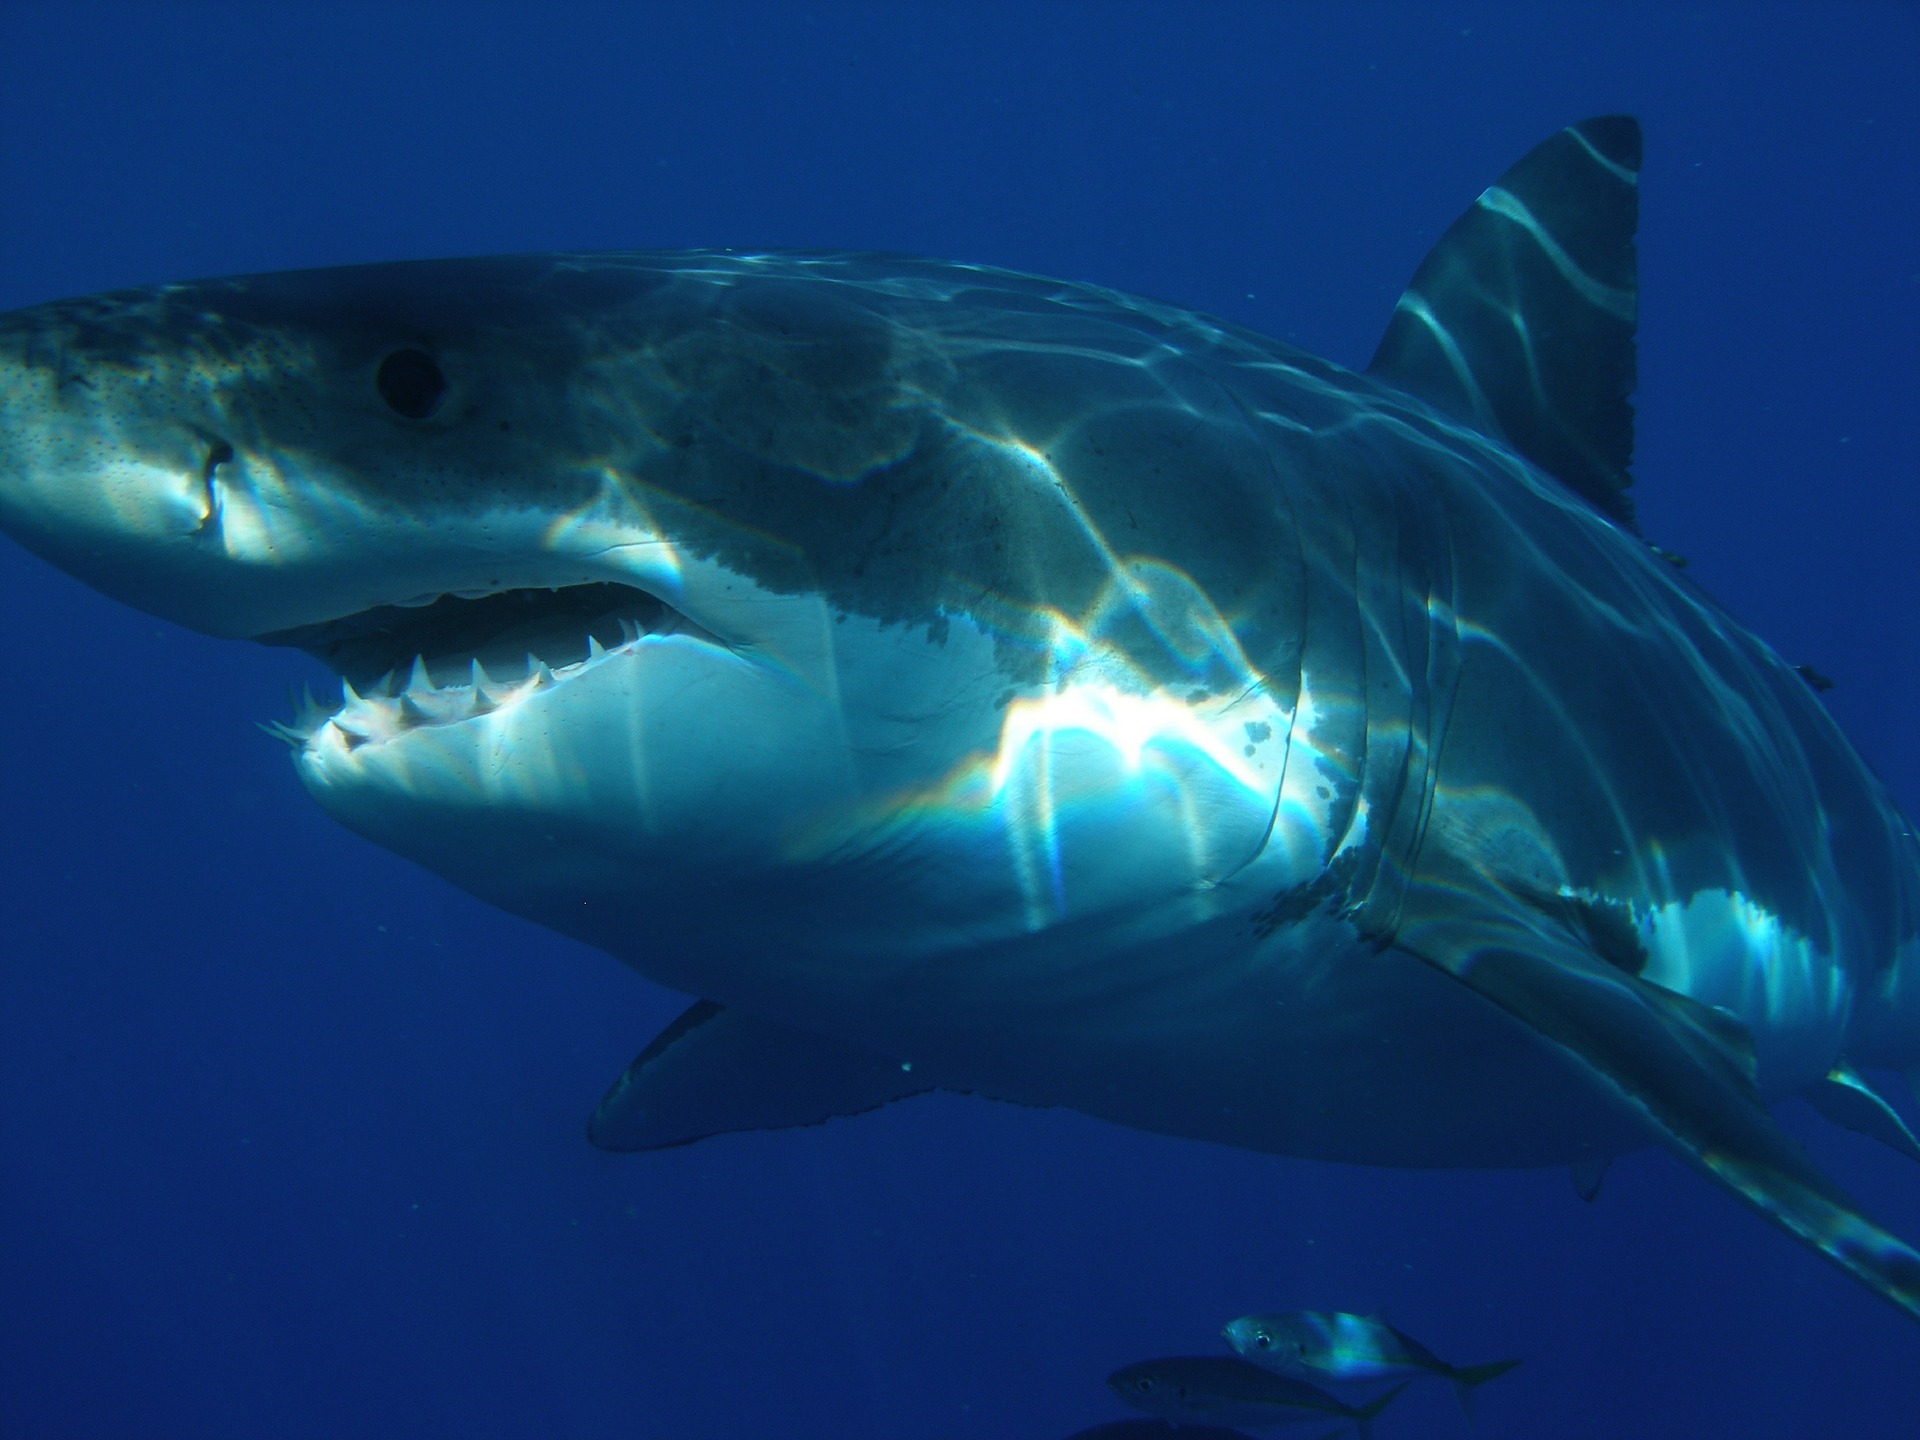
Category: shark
<point>962,680</point>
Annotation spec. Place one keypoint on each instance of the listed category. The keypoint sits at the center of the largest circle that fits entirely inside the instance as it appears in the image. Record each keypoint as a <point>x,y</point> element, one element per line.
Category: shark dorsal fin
<point>1520,321</point>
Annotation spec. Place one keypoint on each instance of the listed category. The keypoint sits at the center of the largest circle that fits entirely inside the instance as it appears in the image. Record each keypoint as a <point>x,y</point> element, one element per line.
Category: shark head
<point>747,601</point>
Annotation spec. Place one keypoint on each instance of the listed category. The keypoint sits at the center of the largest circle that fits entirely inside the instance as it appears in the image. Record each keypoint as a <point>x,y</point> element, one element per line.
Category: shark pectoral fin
<point>1678,1078</point>
<point>1731,1040</point>
<point>1520,320</point>
<point>714,1071</point>
<point>1589,1176</point>
<point>1852,1104</point>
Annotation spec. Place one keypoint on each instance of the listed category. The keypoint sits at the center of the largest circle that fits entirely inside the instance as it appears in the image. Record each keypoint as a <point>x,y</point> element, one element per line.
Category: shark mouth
<point>457,656</point>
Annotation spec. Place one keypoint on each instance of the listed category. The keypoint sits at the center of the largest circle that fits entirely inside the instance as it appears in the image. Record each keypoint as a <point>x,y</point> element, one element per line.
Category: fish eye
<point>411,383</point>
<point>1143,1385</point>
<point>1262,1340</point>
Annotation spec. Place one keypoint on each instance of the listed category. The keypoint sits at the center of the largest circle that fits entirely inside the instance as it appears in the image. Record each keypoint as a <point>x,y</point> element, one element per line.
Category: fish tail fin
<point>1365,1415</point>
<point>1468,1378</point>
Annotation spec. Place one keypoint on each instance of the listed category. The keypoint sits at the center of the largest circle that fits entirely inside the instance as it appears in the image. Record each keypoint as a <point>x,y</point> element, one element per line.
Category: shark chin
<point>959,679</point>
<point>553,749</point>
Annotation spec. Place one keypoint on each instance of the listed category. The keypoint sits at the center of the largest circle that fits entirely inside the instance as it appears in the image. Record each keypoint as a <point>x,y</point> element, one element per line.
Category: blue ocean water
<point>290,1141</point>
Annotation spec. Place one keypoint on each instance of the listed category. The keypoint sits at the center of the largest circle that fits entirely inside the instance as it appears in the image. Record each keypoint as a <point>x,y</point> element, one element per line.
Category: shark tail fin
<point>1468,1378</point>
<point>1365,1415</point>
<point>1520,321</point>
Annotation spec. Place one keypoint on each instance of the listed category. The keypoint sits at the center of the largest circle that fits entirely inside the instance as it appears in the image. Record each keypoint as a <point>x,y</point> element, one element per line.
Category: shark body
<point>966,680</point>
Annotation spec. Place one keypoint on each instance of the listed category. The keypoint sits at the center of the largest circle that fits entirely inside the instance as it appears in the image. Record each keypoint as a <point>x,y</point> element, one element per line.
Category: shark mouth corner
<point>459,656</point>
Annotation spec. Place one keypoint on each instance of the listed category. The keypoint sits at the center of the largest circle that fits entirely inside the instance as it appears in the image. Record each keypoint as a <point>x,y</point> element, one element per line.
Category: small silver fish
<point>1219,1390</point>
<point>1332,1345</point>
<point>1157,1430</point>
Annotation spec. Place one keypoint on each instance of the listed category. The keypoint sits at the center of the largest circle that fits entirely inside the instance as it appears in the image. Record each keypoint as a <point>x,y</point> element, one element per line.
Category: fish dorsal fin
<point>715,1071</point>
<point>1520,321</point>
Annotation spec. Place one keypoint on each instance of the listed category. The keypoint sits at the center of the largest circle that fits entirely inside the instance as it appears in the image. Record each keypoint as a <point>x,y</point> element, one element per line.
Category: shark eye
<point>411,383</point>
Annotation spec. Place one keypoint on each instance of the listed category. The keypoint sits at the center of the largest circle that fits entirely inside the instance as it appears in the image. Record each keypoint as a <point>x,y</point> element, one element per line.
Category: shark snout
<point>103,478</point>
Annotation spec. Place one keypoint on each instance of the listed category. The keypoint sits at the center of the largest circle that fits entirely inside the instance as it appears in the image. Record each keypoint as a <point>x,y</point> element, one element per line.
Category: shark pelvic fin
<point>1679,1080</point>
<point>1589,1176</point>
<point>1852,1104</point>
<point>715,1071</point>
<point>1520,321</point>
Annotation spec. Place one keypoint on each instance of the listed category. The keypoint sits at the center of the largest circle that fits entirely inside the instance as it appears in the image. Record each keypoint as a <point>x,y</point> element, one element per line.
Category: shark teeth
<point>387,710</point>
<point>391,706</point>
<point>479,702</point>
<point>292,734</point>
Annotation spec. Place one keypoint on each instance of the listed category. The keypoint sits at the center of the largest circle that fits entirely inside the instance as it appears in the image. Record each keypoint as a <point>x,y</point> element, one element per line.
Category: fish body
<point>1219,1389</point>
<point>1157,1430</point>
<point>960,679</point>
<point>1336,1346</point>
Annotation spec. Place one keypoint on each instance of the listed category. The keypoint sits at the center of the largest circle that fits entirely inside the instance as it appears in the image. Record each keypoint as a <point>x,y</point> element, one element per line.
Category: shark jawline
<point>559,626</point>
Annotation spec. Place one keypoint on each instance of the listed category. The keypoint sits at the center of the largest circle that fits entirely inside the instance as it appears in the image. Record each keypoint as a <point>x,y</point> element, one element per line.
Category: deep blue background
<point>290,1133</point>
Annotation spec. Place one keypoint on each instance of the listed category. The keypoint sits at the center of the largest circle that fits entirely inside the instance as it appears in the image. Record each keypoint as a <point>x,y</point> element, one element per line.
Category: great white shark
<point>965,680</point>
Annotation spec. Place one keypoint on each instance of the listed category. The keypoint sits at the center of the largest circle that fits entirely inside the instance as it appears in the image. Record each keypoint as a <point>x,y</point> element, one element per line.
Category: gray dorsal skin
<point>1848,1101</point>
<point>1521,320</point>
<point>715,1071</point>
<point>1098,703</point>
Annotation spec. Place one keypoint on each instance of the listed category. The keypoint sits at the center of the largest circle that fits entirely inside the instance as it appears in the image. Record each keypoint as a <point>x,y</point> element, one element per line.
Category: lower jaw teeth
<point>385,711</point>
